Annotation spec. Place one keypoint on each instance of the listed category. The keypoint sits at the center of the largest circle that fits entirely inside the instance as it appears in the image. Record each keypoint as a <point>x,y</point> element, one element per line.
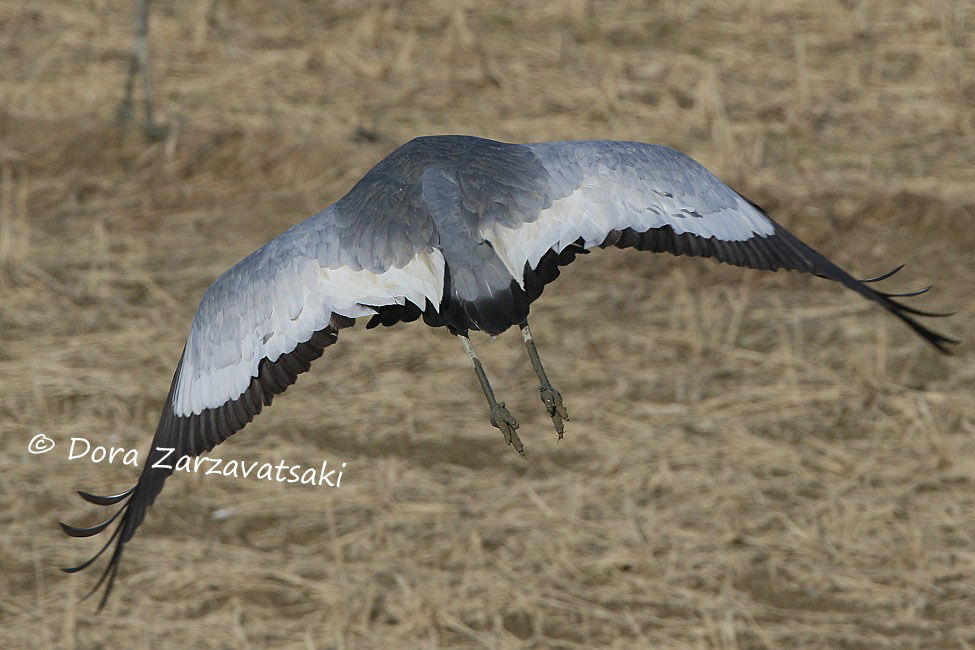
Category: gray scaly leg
<point>551,398</point>
<point>500,416</point>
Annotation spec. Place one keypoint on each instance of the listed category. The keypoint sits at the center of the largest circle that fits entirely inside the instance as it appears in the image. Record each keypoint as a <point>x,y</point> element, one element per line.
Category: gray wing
<point>325,267</point>
<point>258,327</point>
<point>631,194</point>
<point>600,187</point>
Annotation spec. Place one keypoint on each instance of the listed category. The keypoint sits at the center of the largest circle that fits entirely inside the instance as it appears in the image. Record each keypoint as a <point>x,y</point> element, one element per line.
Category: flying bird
<point>461,231</point>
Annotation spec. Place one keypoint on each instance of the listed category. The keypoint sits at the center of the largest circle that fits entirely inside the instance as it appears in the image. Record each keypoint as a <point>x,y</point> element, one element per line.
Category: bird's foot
<point>506,423</point>
<point>552,399</point>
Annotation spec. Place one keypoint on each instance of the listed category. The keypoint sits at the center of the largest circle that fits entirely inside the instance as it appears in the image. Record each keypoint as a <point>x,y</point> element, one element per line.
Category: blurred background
<point>753,460</point>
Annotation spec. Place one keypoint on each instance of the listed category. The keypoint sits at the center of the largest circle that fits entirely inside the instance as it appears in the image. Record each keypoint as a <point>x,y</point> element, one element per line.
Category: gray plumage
<point>450,196</point>
<point>464,232</point>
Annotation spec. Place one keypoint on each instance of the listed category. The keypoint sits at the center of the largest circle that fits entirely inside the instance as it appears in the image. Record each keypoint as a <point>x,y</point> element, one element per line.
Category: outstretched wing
<point>654,198</point>
<point>258,327</point>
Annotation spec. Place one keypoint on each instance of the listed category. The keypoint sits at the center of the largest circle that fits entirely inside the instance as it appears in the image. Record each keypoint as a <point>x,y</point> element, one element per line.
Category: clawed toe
<point>502,419</point>
<point>552,399</point>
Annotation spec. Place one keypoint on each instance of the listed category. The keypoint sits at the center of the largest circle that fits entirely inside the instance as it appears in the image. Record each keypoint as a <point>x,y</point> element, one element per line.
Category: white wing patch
<point>266,320</point>
<point>595,209</point>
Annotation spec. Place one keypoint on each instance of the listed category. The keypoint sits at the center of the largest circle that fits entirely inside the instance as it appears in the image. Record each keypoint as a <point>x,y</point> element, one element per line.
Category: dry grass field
<point>754,459</point>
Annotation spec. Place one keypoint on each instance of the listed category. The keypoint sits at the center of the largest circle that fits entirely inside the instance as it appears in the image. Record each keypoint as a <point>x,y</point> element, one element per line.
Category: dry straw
<point>753,460</point>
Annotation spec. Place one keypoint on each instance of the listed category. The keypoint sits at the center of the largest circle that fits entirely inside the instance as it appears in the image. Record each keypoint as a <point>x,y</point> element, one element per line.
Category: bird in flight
<point>461,231</point>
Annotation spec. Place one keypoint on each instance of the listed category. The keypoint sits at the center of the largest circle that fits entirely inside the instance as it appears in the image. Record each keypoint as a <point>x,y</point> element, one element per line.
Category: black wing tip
<point>936,339</point>
<point>908,294</point>
<point>108,500</point>
<point>884,276</point>
<point>78,567</point>
<point>108,575</point>
<point>75,531</point>
<point>941,342</point>
<point>818,264</point>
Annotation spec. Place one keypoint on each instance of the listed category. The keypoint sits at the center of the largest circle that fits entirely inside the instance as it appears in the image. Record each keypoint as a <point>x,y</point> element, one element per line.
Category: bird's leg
<point>139,64</point>
<point>500,416</point>
<point>550,397</point>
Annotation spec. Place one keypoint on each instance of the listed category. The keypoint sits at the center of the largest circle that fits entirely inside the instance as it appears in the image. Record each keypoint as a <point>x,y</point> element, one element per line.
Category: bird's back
<point>496,181</point>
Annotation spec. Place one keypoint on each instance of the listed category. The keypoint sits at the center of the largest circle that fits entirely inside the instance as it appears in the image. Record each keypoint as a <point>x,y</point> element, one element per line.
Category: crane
<point>465,233</point>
